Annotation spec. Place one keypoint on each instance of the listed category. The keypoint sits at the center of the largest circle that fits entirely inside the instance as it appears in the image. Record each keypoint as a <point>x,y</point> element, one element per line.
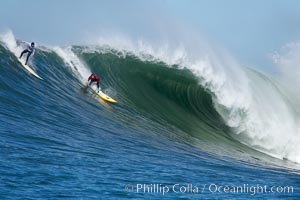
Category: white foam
<point>10,42</point>
<point>71,60</point>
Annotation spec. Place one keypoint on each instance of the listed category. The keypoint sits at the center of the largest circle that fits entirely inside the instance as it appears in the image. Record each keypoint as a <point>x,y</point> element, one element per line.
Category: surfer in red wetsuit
<point>93,78</point>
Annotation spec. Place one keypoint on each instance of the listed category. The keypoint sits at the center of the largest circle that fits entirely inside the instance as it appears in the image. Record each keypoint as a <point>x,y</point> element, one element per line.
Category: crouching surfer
<point>94,79</point>
<point>30,51</point>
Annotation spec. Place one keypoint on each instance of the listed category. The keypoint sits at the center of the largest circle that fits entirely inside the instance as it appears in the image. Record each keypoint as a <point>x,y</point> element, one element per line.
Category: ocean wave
<point>209,97</point>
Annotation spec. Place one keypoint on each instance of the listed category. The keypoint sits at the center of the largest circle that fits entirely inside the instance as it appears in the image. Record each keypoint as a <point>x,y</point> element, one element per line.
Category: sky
<point>249,29</point>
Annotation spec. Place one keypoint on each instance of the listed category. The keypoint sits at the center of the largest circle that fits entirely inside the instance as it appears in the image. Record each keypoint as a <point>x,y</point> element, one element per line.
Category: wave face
<point>209,108</point>
<point>234,106</point>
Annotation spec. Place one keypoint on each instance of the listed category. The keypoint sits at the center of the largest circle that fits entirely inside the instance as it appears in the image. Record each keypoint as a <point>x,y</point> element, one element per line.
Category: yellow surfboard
<point>106,97</point>
<point>29,69</point>
<point>102,95</point>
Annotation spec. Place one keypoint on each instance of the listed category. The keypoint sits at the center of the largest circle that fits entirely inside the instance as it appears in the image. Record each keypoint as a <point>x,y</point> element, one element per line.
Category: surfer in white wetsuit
<point>30,50</point>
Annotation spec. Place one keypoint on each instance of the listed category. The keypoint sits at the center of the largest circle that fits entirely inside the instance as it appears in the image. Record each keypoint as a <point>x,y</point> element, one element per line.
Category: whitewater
<point>180,112</point>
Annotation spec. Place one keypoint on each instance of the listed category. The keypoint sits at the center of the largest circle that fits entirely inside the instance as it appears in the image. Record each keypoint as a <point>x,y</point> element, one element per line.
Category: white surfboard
<point>29,69</point>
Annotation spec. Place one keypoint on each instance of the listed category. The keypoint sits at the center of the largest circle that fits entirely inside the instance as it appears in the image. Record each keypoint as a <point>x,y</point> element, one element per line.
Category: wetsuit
<point>30,50</point>
<point>94,78</point>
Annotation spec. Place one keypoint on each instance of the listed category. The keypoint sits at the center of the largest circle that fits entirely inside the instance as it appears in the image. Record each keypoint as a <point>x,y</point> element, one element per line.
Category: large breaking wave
<point>207,100</point>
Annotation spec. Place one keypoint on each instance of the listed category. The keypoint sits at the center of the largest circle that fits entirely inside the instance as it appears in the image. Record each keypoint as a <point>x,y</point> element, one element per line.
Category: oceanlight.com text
<point>213,188</point>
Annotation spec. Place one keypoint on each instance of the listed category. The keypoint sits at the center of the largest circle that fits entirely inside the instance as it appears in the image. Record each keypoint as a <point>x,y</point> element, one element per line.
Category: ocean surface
<point>182,128</point>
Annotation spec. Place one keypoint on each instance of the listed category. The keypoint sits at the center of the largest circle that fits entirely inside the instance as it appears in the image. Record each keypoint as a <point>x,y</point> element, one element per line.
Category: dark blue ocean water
<point>59,142</point>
